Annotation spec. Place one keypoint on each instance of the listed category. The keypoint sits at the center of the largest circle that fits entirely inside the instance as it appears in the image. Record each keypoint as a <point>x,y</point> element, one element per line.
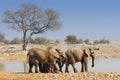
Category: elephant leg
<point>40,67</point>
<point>86,63</point>
<point>52,69</point>
<point>30,68</point>
<point>75,70</point>
<point>66,69</point>
<point>55,68</point>
<point>36,68</point>
<point>82,66</point>
<point>60,66</point>
<point>46,67</point>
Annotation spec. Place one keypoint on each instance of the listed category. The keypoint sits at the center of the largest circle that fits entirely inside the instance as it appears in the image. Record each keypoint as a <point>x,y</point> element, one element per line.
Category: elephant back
<point>74,54</point>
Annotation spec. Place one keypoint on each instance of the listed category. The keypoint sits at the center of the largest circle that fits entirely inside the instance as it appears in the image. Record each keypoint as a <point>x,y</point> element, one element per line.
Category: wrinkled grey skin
<point>39,57</point>
<point>77,55</point>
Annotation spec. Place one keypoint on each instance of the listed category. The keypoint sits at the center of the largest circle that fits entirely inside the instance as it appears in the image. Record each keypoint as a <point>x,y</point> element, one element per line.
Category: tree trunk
<point>24,46</point>
<point>24,40</point>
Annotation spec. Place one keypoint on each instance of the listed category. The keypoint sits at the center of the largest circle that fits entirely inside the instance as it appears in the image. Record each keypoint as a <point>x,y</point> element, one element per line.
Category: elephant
<point>47,67</point>
<point>79,55</point>
<point>39,57</point>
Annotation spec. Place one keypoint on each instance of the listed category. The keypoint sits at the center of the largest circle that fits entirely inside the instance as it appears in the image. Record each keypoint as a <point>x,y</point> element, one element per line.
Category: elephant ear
<point>86,52</point>
<point>54,53</point>
<point>60,52</point>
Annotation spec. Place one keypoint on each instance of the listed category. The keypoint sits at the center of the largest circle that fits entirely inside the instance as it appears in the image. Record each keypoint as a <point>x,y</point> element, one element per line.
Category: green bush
<point>71,39</point>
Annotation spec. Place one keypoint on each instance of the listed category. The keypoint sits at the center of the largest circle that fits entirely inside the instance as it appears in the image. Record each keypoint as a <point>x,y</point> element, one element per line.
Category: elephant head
<point>62,59</point>
<point>89,52</point>
<point>61,54</point>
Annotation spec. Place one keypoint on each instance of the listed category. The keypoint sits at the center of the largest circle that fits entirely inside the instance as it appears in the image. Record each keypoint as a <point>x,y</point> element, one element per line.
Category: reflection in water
<point>25,66</point>
<point>2,67</point>
<point>101,65</point>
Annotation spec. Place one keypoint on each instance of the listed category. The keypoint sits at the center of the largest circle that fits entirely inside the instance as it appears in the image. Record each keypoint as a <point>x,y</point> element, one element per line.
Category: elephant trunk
<point>92,61</point>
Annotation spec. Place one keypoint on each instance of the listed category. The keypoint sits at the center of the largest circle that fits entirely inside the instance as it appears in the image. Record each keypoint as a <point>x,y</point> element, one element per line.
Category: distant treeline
<point>70,39</point>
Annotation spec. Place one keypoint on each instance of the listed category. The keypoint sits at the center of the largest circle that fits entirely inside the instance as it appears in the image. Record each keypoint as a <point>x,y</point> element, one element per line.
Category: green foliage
<point>71,39</point>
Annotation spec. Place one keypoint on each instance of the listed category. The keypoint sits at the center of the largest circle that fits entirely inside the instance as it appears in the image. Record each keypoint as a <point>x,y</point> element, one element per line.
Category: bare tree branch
<point>30,19</point>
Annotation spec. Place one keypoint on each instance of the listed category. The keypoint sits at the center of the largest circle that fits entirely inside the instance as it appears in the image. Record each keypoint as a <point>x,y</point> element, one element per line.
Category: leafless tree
<point>30,19</point>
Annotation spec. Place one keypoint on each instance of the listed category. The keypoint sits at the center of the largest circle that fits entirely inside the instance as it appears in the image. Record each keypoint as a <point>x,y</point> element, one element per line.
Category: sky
<point>86,19</point>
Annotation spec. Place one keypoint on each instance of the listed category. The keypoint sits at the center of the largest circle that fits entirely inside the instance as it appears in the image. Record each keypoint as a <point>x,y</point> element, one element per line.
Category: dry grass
<point>61,76</point>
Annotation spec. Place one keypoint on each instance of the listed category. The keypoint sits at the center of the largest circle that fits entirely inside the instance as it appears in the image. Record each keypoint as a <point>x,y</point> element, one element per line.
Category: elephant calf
<point>45,68</point>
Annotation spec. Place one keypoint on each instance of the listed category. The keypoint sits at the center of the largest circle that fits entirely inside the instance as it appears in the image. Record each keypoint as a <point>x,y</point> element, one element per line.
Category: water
<point>13,66</point>
<point>101,65</point>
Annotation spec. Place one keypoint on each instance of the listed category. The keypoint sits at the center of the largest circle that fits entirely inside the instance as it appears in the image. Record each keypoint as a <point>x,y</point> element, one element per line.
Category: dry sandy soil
<point>60,76</point>
<point>14,52</point>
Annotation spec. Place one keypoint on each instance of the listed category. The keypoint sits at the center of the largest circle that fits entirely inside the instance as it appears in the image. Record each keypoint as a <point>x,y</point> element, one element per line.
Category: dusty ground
<point>61,76</point>
<point>14,52</point>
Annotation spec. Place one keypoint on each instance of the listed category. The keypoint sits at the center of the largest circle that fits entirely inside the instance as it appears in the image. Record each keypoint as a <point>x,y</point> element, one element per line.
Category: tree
<point>87,41</point>
<point>16,41</point>
<point>2,37</point>
<point>31,40</point>
<point>30,19</point>
<point>71,39</point>
<point>41,40</point>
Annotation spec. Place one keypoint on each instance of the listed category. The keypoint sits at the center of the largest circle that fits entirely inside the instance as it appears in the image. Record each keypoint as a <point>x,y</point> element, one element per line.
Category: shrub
<point>102,41</point>
<point>6,41</point>
<point>32,41</point>
<point>87,41</point>
<point>41,40</point>
<point>80,41</point>
<point>16,41</point>
<point>71,39</point>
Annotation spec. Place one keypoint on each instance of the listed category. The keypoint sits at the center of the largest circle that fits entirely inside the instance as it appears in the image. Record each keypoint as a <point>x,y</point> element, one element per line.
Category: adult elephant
<point>40,56</point>
<point>79,55</point>
<point>46,67</point>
